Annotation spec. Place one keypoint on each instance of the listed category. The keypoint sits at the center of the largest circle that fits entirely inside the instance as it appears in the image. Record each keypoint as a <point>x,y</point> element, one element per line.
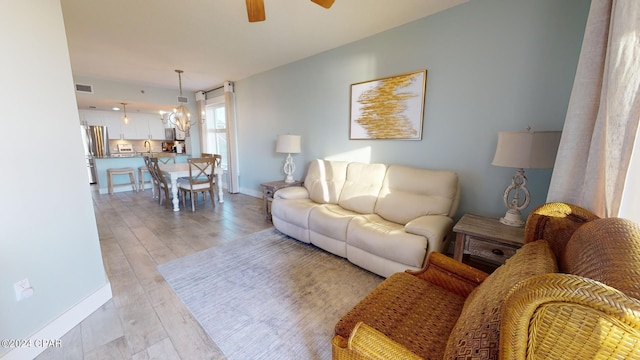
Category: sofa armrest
<point>564,316</point>
<point>433,227</point>
<point>450,274</point>
<point>292,192</point>
<point>365,342</point>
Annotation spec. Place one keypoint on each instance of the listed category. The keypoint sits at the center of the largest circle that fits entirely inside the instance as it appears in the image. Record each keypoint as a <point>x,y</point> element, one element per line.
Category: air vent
<point>183,99</point>
<point>84,88</point>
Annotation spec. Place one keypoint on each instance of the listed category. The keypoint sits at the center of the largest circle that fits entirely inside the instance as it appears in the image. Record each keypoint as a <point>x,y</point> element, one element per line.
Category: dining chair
<point>163,185</point>
<point>201,180</point>
<point>166,158</point>
<point>217,160</point>
<point>146,168</point>
<point>206,155</point>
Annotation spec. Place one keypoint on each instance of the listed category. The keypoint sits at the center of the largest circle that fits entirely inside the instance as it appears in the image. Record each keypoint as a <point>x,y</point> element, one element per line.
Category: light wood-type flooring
<point>145,319</point>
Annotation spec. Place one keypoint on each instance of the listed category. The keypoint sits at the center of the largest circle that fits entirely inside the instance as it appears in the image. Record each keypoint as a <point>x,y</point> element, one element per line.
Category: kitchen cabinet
<point>114,127</point>
<point>88,117</point>
<point>141,126</point>
<point>130,130</point>
<point>154,129</point>
<point>157,129</point>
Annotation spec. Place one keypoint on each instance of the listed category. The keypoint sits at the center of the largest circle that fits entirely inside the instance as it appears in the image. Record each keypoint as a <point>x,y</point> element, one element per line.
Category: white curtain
<point>232,137</point>
<point>201,99</point>
<point>602,119</point>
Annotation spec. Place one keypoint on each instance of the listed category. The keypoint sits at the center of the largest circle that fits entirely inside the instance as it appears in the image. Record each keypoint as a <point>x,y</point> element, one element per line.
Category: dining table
<point>179,170</point>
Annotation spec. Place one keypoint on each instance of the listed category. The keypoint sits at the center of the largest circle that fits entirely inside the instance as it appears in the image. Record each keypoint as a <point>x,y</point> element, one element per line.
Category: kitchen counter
<point>130,160</point>
<point>137,155</point>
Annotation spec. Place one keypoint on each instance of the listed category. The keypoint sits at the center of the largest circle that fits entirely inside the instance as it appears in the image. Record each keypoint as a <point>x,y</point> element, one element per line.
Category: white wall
<point>492,65</point>
<point>48,229</point>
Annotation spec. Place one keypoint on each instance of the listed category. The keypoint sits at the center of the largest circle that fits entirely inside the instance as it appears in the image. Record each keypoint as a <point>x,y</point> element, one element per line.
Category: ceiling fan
<point>255,8</point>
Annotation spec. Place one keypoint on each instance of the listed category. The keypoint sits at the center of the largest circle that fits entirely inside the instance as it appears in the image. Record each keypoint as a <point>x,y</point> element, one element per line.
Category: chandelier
<point>180,118</point>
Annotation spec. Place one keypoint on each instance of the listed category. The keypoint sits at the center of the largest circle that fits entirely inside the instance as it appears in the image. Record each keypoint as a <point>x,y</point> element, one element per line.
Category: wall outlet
<point>23,289</point>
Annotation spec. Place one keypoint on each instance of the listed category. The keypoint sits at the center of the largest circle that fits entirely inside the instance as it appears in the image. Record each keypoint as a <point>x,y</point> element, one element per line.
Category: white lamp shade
<point>288,144</point>
<point>527,149</point>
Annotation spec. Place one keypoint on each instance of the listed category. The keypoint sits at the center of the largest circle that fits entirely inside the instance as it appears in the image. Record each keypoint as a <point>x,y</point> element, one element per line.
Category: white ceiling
<point>143,41</point>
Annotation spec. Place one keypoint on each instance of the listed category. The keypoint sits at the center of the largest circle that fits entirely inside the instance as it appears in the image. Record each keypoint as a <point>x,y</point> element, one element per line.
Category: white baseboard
<point>61,325</point>
<point>117,189</point>
<point>251,192</point>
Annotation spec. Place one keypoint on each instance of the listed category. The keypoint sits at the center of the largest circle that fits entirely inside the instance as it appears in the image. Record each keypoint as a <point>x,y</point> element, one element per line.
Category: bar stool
<point>120,171</point>
<point>142,170</point>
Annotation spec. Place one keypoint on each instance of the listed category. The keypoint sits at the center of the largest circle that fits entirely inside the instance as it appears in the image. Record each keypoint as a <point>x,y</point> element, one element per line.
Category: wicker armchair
<point>444,282</point>
<point>556,222</point>
<point>590,312</point>
<point>525,309</point>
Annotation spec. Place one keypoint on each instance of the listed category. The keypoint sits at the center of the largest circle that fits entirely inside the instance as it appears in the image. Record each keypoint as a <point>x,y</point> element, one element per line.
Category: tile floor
<point>145,319</point>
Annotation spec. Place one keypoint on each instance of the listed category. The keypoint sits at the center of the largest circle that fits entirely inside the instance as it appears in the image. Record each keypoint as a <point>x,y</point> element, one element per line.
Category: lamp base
<point>512,218</point>
<point>518,184</point>
<point>289,169</point>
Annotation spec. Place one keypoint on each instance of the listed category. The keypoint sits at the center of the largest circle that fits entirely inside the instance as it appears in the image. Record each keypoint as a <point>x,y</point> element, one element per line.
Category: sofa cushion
<point>410,311</point>
<point>292,217</point>
<point>606,250</point>
<point>325,179</point>
<point>362,186</point>
<point>386,239</point>
<point>291,192</point>
<point>476,333</point>
<point>328,228</point>
<point>331,220</point>
<point>408,193</point>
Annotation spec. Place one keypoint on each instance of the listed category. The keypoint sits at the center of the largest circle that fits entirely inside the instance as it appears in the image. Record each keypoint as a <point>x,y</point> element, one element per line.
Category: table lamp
<point>523,150</point>
<point>288,144</point>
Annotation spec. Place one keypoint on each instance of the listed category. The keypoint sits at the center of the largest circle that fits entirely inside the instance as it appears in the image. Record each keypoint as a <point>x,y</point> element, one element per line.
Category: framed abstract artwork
<point>388,108</point>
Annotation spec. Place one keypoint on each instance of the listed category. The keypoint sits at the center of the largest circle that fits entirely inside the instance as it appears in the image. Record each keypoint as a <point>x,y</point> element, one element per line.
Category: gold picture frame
<point>388,108</point>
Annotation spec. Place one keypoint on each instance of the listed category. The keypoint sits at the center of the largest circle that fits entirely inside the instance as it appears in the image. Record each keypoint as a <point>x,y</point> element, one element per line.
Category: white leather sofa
<point>383,218</point>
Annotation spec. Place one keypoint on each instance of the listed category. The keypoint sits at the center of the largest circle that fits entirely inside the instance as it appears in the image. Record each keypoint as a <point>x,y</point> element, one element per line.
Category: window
<point>215,129</point>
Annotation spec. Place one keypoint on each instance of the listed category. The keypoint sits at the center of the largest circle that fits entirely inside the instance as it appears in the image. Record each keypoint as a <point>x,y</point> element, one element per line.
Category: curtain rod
<point>214,89</point>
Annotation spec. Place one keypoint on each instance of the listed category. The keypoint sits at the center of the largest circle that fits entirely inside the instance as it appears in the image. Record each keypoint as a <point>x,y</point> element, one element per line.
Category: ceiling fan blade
<point>255,10</point>
<point>324,3</point>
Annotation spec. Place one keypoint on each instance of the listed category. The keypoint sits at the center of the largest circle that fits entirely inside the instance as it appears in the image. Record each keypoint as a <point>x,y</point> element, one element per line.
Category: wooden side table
<point>268,189</point>
<point>486,238</point>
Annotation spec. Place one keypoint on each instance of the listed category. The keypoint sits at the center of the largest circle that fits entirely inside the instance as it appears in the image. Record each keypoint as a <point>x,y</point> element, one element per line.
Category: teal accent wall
<point>102,164</point>
<point>493,65</point>
<point>48,230</point>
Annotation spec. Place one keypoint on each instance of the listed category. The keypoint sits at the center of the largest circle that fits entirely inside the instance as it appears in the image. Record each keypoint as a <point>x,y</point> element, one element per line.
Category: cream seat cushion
<point>328,223</point>
<point>375,235</point>
<point>362,186</point>
<point>185,184</point>
<point>328,228</point>
<point>296,214</point>
<point>325,179</point>
<point>408,193</point>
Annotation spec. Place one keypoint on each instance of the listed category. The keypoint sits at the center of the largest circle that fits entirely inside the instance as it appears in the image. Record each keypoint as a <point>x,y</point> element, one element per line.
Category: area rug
<point>268,296</point>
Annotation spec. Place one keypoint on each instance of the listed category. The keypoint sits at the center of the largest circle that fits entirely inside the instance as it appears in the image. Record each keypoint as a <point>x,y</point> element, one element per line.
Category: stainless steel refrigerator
<point>96,144</point>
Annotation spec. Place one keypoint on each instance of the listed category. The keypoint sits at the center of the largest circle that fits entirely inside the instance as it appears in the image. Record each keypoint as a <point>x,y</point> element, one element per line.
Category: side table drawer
<point>491,251</point>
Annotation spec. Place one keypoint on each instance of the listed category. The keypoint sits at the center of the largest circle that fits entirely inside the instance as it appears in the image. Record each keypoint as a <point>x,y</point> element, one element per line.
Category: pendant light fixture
<point>180,118</point>
<point>125,119</point>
